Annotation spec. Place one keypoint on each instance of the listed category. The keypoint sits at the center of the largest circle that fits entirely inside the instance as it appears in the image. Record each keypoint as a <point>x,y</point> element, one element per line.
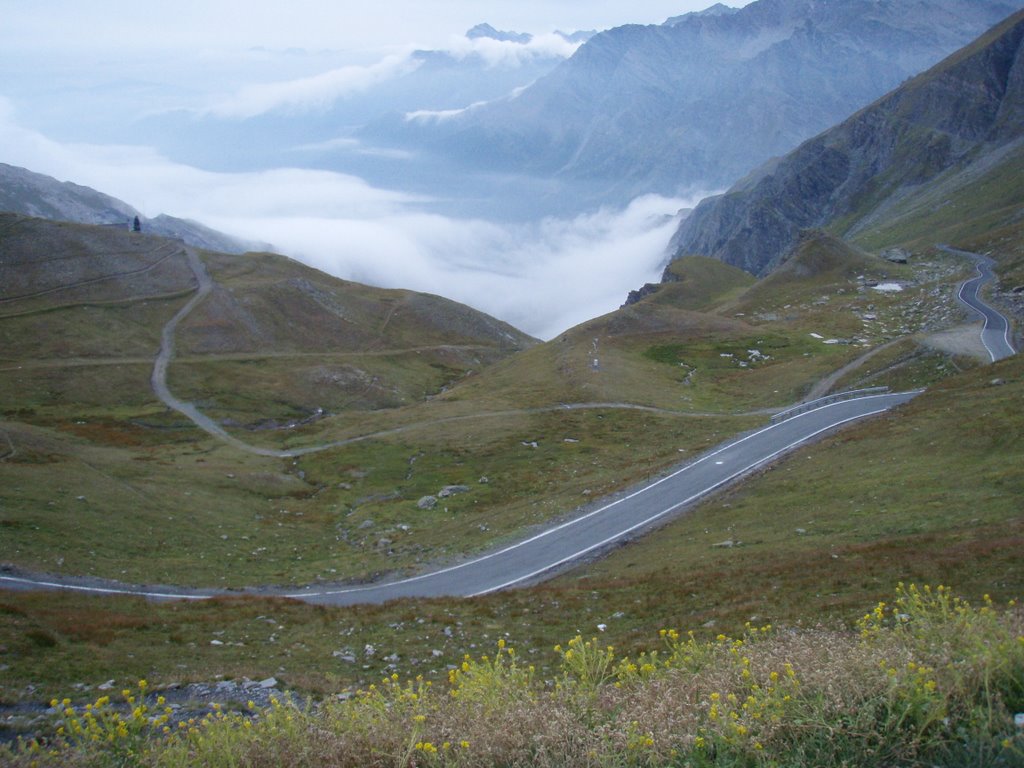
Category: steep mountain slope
<point>34,194</point>
<point>701,99</point>
<point>956,130</point>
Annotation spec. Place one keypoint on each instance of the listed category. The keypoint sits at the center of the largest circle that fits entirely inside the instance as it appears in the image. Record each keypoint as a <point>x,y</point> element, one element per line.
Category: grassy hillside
<point>408,387</point>
<point>275,346</point>
<point>85,444</point>
<point>929,494</point>
<point>414,393</point>
<point>917,502</point>
<point>958,205</point>
<point>699,283</point>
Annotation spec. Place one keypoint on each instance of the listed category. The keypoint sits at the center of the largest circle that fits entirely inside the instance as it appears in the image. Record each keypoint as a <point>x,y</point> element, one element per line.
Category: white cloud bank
<point>315,92</point>
<point>320,91</point>
<point>509,53</point>
<point>542,277</point>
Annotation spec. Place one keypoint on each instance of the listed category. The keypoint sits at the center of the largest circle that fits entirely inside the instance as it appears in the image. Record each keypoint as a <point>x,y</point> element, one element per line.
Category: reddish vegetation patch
<point>115,433</point>
<point>91,626</point>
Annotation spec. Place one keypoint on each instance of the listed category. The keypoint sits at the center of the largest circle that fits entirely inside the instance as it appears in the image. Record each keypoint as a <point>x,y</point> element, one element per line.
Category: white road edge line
<point>984,316</point>
<point>577,520</point>
<point>675,506</point>
<point>105,590</point>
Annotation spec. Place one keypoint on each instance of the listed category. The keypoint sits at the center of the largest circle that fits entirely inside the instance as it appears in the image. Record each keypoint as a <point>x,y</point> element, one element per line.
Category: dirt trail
<point>158,379</point>
<point>963,340</point>
<point>10,451</point>
<point>822,387</point>
<point>189,410</point>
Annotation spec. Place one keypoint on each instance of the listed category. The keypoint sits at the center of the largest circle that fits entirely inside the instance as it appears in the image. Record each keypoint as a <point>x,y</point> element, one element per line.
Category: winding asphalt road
<point>590,532</point>
<point>597,530</point>
<point>995,333</point>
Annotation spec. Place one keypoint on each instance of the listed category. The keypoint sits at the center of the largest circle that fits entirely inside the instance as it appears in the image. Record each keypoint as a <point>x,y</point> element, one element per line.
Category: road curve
<point>995,333</point>
<point>588,533</point>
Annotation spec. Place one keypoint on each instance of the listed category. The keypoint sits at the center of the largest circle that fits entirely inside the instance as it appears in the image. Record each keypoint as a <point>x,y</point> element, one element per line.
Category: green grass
<point>201,513</point>
<point>902,367</point>
<point>699,283</point>
<point>916,499</point>
<point>810,545</point>
<point>190,510</point>
<point>259,389</point>
<point>89,331</point>
<point>768,369</point>
<point>960,205</point>
<point>193,511</point>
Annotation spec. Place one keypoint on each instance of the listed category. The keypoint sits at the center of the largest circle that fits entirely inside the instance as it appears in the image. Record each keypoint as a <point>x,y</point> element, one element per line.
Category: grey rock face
<point>967,110</point>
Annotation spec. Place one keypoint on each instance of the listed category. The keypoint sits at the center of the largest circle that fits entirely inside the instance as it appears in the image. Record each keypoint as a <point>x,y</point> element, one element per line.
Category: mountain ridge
<point>666,108</point>
<point>36,194</point>
<point>959,114</point>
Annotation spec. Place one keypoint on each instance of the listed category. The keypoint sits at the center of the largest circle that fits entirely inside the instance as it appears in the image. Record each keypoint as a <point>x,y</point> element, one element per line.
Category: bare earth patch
<point>963,340</point>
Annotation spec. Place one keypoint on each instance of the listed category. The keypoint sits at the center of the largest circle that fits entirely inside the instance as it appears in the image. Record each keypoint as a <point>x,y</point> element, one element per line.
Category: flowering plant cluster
<point>928,679</point>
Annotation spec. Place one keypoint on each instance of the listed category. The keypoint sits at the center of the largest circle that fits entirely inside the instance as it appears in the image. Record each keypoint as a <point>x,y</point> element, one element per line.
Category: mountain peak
<point>718,9</point>
<point>696,104</point>
<point>485,30</point>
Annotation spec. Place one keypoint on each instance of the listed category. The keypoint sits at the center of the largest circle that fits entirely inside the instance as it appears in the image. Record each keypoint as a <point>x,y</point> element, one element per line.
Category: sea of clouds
<point>542,276</point>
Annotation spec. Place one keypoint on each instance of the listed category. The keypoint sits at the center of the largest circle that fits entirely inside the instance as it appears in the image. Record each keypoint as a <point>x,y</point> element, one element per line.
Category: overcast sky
<point>71,72</point>
<point>110,25</point>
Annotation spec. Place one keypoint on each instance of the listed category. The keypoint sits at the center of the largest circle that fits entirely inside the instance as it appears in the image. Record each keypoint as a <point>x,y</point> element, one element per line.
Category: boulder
<point>451,490</point>
<point>896,255</point>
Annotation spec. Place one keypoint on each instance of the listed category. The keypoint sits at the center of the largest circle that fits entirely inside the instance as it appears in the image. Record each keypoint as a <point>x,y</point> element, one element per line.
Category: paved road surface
<point>591,532</point>
<point>995,334</point>
<point>613,522</point>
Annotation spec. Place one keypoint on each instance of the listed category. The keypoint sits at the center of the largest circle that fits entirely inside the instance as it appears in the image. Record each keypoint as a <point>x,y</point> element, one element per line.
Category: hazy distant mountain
<point>901,168</point>
<point>33,194</point>
<point>487,64</point>
<point>705,97</point>
<point>718,9</point>
<point>486,30</point>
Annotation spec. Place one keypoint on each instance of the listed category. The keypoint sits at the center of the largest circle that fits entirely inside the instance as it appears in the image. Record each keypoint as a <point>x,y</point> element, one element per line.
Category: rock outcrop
<point>966,112</point>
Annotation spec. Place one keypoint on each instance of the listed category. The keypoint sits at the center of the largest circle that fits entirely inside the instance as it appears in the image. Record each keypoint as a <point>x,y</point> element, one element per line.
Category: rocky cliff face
<point>967,110</point>
<point>705,97</point>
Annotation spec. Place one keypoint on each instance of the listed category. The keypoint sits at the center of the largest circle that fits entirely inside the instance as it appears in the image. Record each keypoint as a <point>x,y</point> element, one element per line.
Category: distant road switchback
<point>995,333</point>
